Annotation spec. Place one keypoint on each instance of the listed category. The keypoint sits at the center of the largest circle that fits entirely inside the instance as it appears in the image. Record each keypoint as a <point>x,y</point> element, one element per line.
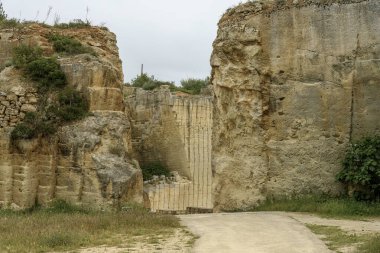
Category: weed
<point>335,237</point>
<point>65,227</point>
<point>372,245</point>
<point>58,240</point>
<point>322,205</point>
<point>76,23</point>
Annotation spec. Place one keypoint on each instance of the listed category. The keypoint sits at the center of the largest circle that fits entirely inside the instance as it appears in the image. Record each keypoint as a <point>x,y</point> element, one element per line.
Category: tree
<point>194,85</point>
<point>149,82</point>
<point>361,169</point>
<point>3,15</point>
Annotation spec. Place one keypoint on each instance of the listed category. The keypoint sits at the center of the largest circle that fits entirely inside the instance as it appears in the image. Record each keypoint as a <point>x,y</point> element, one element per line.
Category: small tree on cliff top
<point>3,15</point>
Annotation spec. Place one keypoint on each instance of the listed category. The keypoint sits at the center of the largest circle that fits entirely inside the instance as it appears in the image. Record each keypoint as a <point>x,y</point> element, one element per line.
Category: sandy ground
<point>261,232</point>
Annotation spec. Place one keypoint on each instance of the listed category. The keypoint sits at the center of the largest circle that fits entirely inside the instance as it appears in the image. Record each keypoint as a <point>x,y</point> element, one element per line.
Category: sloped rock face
<point>294,82</point>
<point>86,162</point>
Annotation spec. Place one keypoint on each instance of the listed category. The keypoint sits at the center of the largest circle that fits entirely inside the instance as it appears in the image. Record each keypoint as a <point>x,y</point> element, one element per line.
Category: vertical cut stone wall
<point>175,131</point>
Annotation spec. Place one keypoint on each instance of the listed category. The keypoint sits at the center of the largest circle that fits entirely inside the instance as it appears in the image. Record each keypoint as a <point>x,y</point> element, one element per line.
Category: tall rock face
<point>173,130</point>
<point>87,161</point>
<point>294,82</point>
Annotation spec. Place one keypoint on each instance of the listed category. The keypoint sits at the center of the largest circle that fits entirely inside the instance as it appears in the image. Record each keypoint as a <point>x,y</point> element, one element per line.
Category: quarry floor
<point>259,232</point>
<point>265,232</point>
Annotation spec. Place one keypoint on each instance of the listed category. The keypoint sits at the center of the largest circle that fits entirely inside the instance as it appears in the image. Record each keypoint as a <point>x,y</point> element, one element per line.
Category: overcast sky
<point>172,38</point>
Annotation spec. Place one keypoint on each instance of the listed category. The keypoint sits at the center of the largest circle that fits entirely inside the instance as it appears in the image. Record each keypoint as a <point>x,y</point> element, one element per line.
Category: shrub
<point>149,82</point>
<point>194,85</point>
<point>65,105</point>
<point>68,45</point>
<point>10,23</point>
<point>361,169</point>
<point>154,169</point>
<point>76,23</point>
<point>47,72</point>
<point>33,126</point>
<point>23,54</point>
<point>3,15</point>
<point>23,131</point>
<point>72,105</point>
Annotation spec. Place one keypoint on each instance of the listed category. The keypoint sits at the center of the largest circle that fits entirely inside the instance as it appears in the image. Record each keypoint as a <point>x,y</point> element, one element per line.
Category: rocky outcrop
<point>294,82</point>
<point>86,162</point>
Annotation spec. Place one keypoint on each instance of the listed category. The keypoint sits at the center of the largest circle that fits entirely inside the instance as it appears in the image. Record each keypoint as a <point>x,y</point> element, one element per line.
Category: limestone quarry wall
<point>176,132</point>
<point>294,82</point>
<point>78,164</point>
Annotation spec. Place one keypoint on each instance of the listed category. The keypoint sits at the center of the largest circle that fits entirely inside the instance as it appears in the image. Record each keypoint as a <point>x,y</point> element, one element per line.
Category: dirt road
<point>262,232</point>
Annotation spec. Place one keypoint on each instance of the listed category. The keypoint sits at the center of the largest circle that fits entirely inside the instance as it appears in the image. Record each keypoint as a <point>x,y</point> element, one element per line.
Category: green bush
<point>66,104</point>
<point>154,169</point>
<point>194,86</point>
<point>32,126</point>
<point>23,131</point>
<point>47,72</point>
<point>24,54</point>
<point>149,82</point>
<point>361,169</point>
<point>3,15</point>
<point>68,45</point>
<point>10,23</point>
<point>72,105</point>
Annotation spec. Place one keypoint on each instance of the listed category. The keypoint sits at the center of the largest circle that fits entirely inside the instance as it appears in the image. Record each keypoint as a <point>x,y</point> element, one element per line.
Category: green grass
<point>66,227</point>
<point>335,239</point>
<point>372,245</point>
<point>324,206</point>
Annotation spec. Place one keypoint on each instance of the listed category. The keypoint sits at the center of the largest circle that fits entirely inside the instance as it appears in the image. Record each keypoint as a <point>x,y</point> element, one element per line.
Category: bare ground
<point>258,232</point>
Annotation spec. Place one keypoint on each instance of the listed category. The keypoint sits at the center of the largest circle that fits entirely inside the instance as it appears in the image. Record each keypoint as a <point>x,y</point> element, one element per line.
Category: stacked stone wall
<point>14,105</point>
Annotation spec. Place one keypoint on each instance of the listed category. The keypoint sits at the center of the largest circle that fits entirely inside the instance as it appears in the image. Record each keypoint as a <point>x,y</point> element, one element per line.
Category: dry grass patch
<point>63,227</point>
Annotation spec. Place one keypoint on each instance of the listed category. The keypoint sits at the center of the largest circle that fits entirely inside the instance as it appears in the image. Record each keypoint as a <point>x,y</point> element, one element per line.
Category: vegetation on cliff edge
<point>68,45</point>
<point>191,85</point>
<point>57,102</point>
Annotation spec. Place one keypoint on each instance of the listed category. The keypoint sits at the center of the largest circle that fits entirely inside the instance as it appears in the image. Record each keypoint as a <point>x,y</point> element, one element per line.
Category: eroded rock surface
<point>86,162</point>
<point>294,82</point>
